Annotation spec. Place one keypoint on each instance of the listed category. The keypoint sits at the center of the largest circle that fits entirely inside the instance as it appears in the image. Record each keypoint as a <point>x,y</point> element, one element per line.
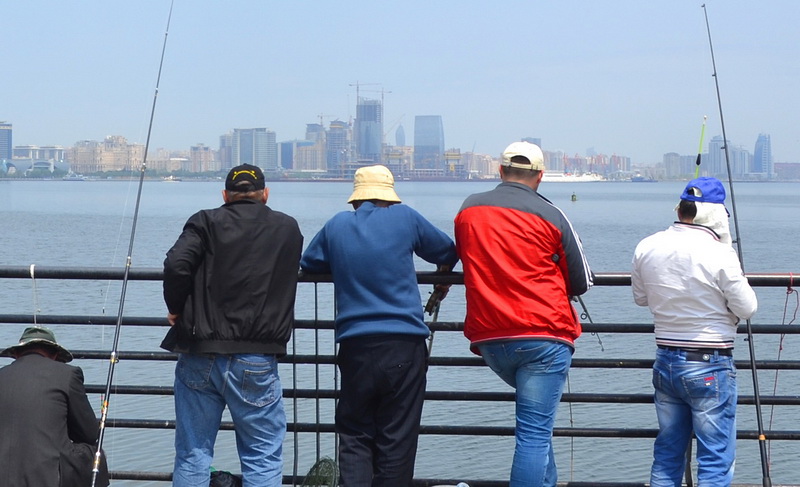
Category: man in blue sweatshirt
<point>379,326</point>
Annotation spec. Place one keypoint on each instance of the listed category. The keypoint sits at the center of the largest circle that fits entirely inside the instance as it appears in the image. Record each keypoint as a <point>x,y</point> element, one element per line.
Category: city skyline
<point>626,77</point>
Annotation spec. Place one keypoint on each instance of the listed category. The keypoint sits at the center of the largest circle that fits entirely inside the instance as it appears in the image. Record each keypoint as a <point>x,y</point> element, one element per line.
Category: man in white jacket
<point>691,279</point>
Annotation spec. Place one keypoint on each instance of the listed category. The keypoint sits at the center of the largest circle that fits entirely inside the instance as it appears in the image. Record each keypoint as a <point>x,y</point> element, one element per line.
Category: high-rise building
<point>538,141</point>
<point>225,151</point>
<point>256,146</point>
<point>337,150</point>
<point>6,144</point>
<point>368,130</point>
<point>428,142</point>
<point>715,166</point>
<point>400,136</point>
<point>201,159</point>
<point>762,156</point>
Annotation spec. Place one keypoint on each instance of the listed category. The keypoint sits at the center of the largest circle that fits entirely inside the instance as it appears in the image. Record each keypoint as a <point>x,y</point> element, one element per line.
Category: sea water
<point>88,223</point>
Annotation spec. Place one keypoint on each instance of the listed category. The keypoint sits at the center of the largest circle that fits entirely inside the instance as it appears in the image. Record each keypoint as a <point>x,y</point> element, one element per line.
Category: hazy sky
<point>630,77</point>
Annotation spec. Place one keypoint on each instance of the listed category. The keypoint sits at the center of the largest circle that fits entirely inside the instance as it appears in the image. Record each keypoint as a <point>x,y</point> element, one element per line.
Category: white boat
<point>560,177</point>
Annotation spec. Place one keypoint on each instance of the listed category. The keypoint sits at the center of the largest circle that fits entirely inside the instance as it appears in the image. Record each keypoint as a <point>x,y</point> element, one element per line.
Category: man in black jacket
<point>48,430</point>
<point>229,286</point>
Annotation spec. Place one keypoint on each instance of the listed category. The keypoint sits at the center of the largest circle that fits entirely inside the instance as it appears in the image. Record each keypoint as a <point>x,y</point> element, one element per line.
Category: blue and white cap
<point>704,190</point>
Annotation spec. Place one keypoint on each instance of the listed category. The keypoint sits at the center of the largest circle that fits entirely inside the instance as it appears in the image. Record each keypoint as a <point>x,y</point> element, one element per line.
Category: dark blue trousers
<point>380,408</point>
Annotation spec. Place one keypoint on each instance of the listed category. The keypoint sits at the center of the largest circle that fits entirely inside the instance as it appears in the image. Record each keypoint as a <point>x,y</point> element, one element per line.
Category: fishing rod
<point>700,149</point>
<point>113,359</point>
<point>762,440</point>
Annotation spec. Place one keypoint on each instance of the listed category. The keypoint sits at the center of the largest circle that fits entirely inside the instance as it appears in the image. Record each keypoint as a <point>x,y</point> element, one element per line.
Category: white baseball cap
<point>529,151</point>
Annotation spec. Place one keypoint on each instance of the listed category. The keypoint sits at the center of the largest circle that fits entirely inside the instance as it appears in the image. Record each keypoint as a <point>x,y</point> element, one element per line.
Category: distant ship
<point>560,177</point>
<point>171,179</point>
<point>642,179</point>
<point>71,176</point>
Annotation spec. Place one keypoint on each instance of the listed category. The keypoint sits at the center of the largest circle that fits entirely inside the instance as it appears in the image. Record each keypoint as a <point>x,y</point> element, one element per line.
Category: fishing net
<point>323,473</point>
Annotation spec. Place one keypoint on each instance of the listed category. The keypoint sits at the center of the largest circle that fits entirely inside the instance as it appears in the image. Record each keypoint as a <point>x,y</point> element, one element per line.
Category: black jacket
<point>232,278</point>
<point>49,429</point>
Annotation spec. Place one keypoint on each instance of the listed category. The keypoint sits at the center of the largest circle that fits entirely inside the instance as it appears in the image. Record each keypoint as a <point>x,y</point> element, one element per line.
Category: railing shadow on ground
<point>312,392</point>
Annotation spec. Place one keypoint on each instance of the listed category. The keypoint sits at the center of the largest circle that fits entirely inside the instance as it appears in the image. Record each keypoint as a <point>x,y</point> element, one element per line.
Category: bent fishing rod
<point>115,347</point>
<point>766,481</point>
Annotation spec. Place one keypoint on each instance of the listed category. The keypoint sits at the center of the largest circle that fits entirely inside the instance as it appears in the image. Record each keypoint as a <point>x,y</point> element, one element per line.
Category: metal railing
<point>321,392</point>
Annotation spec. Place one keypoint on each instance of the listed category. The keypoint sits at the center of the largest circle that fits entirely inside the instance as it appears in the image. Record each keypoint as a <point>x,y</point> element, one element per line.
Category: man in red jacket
<point>522,262</point>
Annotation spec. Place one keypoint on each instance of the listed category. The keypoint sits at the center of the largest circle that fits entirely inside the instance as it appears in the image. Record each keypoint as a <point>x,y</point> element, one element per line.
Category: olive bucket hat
<point>37,335</point>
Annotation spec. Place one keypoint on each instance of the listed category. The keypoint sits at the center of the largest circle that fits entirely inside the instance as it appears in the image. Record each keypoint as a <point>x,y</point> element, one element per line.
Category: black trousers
<point>380,408</point>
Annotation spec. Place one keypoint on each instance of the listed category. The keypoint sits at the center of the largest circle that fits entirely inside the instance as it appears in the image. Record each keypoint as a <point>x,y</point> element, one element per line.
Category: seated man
<point>49,428</point>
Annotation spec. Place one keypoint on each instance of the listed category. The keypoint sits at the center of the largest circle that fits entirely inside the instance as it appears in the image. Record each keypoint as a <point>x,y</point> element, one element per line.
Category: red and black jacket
<point>522,262</point>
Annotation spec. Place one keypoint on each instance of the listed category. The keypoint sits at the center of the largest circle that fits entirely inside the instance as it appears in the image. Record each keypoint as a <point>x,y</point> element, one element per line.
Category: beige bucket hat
<point>374,183</point>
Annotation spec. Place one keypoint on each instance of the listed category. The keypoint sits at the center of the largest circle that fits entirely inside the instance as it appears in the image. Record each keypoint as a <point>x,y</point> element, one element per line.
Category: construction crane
<point>359,85</point>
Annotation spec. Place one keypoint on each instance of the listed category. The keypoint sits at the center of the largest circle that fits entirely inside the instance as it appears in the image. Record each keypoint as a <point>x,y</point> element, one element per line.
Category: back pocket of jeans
<point>195,370</point>
<point>261,387</point>
<point>702,387</point>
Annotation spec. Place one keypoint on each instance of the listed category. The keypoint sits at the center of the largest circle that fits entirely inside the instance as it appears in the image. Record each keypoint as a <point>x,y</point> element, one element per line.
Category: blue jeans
<point>699,397</point>
<point>249,385</point>
<point>537,369</point>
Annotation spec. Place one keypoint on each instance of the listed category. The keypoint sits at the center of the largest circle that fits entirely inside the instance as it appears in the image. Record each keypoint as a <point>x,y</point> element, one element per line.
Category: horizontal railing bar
<point>100,320</point>
<point>458,430</point>
<point>297,480</point>
<point>156,274</point>
<point>456,395</point>
<point>587,363</point>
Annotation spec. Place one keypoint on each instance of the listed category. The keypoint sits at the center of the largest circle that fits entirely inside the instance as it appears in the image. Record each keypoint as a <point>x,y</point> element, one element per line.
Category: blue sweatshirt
<point>370,253</point>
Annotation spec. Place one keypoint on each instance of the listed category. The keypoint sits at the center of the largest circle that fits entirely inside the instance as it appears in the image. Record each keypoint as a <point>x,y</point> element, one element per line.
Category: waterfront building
<point>256,146</point>
<point>399,160</point>
<point>677,166</point>
<point>428,142</point>
<point>400,136</point>
<point>479,166</point>
<point>762,157</point>
<point>368,131</point>
<point>202,159</point>
<point>311,155</point>
<point>741,162</point>
<point>6,143</point>
<point>47,153</point>
<point>715,163</point>
<point>113,154</point>
<point>225,152</point>
<point>337,147</point>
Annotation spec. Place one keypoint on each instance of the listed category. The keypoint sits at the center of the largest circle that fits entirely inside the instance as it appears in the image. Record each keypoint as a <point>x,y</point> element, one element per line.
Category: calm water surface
<point>59,223</point>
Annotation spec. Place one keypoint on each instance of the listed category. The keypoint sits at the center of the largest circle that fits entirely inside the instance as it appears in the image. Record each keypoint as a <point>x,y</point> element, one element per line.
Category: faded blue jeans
<point>537,369</point>
<point>699,397</point>
<point>249,385</point>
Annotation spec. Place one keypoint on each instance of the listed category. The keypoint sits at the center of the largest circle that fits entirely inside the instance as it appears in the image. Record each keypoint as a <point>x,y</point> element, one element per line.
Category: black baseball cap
<point>245,178</point>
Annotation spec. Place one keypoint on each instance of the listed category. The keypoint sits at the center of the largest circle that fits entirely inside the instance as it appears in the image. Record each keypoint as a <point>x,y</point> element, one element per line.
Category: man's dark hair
<point>687,210</point>
<point>519,173</point>
<point>245,195</point>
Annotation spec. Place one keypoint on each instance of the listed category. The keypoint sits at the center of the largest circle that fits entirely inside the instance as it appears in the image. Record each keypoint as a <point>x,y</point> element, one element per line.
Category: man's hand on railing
<point>439,292</point>
<point>172,318</point>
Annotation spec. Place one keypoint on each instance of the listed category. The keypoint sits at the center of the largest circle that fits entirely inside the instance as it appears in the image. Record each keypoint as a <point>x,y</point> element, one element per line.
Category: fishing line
<point>700,149</point>
<point>789,292</point>
<point>114,350</point>
<point>766,481</point>
<point>585,316</point>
